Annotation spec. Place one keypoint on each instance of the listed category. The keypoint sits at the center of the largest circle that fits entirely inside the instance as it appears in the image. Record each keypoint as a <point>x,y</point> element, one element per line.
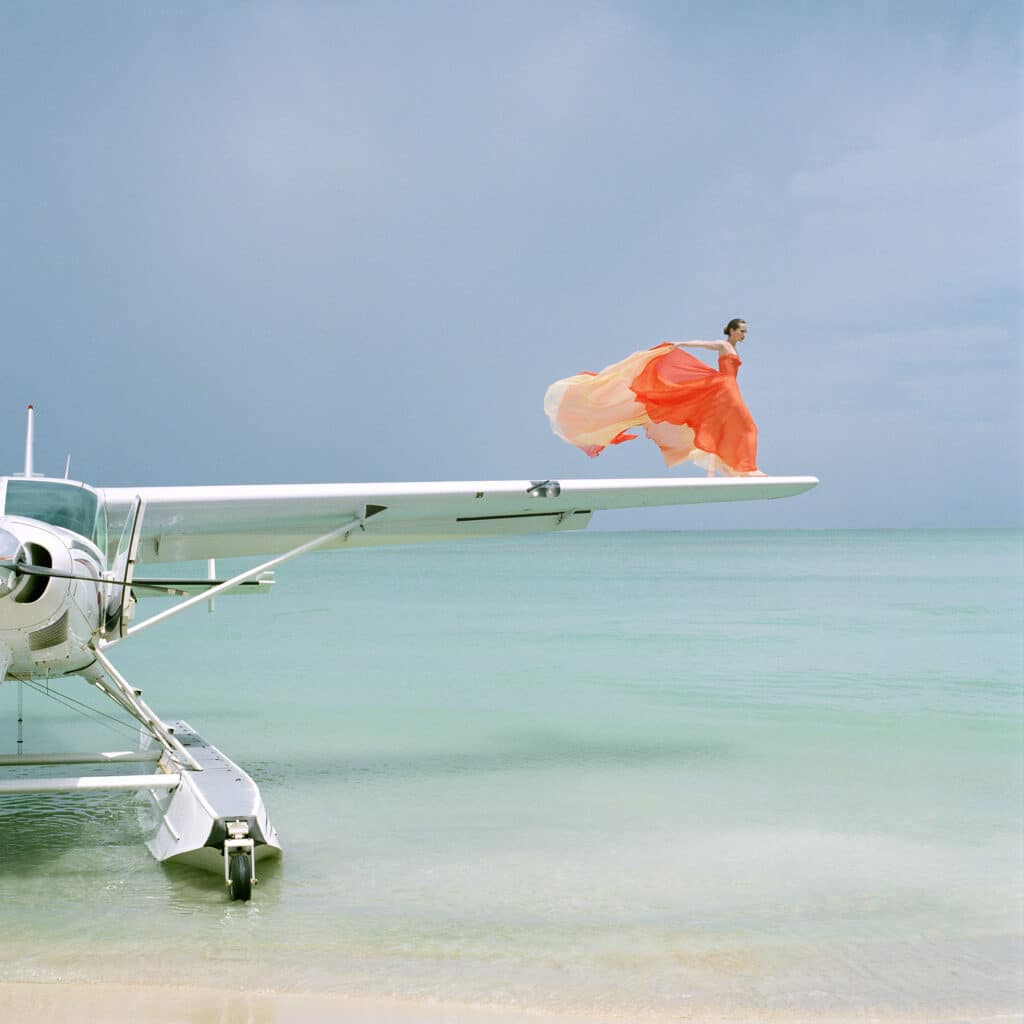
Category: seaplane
<point>70,585</point>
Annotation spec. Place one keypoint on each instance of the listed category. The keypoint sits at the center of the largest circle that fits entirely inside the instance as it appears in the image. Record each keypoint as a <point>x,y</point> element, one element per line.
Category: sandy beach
<point>128,1004</point>
<point>121,1004</point>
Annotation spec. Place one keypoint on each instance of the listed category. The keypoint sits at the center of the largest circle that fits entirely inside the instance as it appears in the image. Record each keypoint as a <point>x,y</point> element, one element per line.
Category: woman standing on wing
<point>688,409</point>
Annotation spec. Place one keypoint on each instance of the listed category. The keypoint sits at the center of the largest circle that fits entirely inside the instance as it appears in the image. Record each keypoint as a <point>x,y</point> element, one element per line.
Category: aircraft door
<point>120,601</point>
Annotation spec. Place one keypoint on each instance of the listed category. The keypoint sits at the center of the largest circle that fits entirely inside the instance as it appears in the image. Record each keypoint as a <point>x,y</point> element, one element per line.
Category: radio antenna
<point>28,443</point>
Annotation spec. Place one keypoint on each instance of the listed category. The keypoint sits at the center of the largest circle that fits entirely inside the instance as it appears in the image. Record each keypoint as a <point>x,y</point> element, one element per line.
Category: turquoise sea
<point>613,773</point>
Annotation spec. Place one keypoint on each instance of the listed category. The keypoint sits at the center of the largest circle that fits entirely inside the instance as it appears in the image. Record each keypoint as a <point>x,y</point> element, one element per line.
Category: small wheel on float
<point>239,877</point>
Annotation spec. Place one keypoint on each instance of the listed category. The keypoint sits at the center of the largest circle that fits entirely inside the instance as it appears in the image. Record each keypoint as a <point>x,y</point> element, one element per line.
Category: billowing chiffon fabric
<point>688,409</point>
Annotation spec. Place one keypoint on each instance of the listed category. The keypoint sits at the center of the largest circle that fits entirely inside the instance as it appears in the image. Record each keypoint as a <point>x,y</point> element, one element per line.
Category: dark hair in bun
<point>732,325</point>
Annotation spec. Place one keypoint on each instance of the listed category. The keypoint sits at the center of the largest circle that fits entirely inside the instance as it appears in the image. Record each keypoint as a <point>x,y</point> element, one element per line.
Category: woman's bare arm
<point>716,346</point>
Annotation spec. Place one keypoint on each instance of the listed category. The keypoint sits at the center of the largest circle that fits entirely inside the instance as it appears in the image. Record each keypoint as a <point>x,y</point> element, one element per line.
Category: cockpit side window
<point>69,506</point>
<point>99,533</point>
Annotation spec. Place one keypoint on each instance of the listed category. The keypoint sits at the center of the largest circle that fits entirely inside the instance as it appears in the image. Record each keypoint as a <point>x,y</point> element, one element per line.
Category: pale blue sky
<point>269,242</point>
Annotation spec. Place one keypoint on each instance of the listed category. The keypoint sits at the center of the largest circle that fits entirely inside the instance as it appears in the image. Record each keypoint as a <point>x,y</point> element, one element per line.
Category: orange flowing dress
<point>690,410</point>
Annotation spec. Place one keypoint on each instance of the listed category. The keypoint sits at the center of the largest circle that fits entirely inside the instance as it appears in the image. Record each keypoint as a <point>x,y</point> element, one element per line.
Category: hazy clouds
<point>257,242</point>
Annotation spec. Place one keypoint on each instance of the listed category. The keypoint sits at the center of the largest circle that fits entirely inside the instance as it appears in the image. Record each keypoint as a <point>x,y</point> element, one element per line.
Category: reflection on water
<point>38,828</point>
<point>190,889</point>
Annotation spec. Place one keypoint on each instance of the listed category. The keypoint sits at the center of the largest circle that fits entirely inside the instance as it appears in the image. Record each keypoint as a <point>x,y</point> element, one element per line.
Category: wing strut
<point>115,686</point>
<point>346,528</point>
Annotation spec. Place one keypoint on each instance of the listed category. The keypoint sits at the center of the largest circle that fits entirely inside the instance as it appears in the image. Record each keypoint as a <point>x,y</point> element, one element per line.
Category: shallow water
<point>614,772</point>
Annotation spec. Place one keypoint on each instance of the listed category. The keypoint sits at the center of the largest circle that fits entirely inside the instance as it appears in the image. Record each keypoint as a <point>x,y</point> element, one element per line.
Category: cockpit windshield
<point>70,506</point>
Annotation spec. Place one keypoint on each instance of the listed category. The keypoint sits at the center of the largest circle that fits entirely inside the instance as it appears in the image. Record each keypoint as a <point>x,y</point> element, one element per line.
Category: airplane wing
<point>192,523</point>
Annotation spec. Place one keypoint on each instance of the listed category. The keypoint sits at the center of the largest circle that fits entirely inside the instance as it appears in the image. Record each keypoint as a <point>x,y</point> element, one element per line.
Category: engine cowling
<point>47,622</point>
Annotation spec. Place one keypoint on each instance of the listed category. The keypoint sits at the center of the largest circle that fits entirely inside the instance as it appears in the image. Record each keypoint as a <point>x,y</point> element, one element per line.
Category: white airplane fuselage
<point>47,623</point>
<point>60,605</point>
